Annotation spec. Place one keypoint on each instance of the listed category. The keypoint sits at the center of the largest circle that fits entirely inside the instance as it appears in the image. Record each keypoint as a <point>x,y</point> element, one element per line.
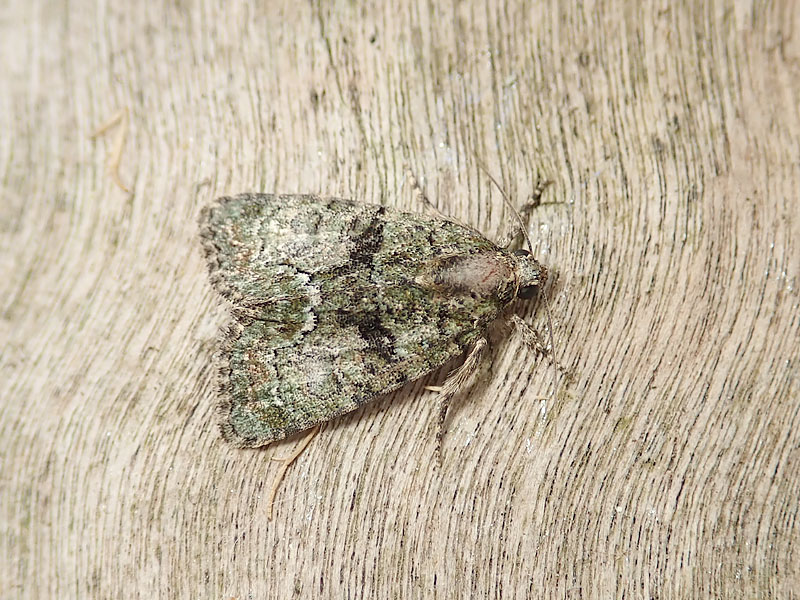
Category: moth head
<point>530,274</point>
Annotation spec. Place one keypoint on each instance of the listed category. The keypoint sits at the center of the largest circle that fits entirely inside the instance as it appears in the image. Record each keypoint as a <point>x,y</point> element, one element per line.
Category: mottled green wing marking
<point>328,311</point>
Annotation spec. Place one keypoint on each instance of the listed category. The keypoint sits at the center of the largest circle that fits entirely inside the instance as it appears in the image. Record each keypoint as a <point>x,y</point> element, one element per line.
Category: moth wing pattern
<point>328,309</point>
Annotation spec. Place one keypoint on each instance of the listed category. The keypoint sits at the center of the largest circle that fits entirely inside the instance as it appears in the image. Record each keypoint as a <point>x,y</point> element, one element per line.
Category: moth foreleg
<point>508,238</point>
<point>535,199</point>
<point>458,380</point>
<point>534,341</point>
<point>529,335</point>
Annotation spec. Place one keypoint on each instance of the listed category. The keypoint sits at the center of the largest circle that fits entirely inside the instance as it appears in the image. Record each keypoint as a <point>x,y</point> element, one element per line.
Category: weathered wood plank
<point>667,464</point>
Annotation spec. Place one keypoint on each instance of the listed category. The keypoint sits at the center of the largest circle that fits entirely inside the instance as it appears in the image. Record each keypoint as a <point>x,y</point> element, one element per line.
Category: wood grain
<point>667,464</point>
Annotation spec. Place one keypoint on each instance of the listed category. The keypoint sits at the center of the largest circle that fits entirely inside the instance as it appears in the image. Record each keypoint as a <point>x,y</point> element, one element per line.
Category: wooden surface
<point>668,463</point>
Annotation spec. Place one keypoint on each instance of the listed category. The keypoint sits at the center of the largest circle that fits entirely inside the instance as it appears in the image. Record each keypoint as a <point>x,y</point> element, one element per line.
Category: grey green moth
<point>335,303</point>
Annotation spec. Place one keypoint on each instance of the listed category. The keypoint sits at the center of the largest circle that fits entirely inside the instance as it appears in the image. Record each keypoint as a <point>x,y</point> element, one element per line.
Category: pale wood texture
<point>667,464</point>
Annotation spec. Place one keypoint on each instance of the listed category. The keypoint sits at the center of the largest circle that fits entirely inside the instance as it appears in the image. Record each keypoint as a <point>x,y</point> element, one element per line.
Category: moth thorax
<point>482,274</point>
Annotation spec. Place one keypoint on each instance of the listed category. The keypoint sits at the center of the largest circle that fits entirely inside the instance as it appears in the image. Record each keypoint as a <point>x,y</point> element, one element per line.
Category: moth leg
<point>420,195</point>
<point>115,156</point>
<point>508,239</point>
<point>458,380</point>
<point>533,340</point>
<point>529,335</point>
<point>287,461</point>
<point>535,199</point>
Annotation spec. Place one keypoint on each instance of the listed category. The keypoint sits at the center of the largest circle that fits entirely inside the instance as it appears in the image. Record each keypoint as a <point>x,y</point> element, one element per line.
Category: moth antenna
<point>508,203</point>
<point>530,249</point>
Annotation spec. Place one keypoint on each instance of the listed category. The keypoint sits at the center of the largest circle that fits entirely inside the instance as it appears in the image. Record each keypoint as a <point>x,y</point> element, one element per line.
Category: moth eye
<point>521,252</point>
<point>527,292</point>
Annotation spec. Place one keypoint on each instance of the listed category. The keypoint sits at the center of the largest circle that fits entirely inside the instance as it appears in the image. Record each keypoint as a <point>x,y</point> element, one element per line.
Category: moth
<point>336,302</point>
